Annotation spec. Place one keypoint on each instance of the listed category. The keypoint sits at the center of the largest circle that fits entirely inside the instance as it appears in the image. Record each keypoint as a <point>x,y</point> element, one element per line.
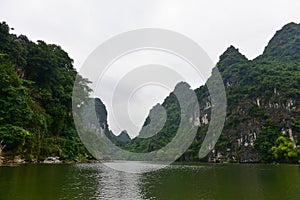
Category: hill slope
<point>35,100</point>
<point>263,113</point>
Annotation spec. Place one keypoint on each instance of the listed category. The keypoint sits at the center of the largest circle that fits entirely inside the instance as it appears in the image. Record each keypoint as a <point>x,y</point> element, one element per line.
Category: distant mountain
<point>230,57</point>
<point>285,44</point>
<point>123,137</point>
<point>101,122</point>
<point>263,112</point>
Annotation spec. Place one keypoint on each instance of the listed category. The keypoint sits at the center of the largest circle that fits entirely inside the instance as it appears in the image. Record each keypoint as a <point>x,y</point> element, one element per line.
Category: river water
<point>180,181</point>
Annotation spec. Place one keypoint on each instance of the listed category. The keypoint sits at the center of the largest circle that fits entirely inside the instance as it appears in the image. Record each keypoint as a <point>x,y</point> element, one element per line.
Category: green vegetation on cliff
<point>263,111</point>
<point>35,99</point>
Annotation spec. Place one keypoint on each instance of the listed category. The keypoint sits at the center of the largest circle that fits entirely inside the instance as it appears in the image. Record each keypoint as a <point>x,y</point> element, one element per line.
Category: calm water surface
<point>201,181</point>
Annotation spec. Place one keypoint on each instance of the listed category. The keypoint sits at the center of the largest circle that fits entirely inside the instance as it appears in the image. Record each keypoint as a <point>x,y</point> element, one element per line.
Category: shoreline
<point>10,163</point>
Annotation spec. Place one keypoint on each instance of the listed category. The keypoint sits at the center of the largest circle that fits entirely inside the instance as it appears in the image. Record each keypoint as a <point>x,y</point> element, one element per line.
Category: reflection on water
<point>100,182</point>
<point>201,181</point>
<point>134,166</point>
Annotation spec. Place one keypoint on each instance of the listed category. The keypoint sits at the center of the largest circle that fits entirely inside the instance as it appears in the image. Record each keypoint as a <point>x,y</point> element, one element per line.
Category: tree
<point>266,140</point>
<point>283,151</point>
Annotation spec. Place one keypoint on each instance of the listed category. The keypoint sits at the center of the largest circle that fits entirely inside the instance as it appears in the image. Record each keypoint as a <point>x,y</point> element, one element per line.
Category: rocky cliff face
<point>262,105</point>
<point>262,94</point>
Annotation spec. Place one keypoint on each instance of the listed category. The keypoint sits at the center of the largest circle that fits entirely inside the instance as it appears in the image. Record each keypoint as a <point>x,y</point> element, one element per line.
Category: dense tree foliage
<point>284,150</point>
<point>35,99</point>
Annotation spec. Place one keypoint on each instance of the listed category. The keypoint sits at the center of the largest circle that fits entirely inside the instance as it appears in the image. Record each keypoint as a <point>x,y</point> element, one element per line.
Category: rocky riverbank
<point>18,160</point>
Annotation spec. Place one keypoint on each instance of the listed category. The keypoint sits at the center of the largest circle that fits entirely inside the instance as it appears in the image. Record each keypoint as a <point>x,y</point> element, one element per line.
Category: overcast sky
<point>80,26</point>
